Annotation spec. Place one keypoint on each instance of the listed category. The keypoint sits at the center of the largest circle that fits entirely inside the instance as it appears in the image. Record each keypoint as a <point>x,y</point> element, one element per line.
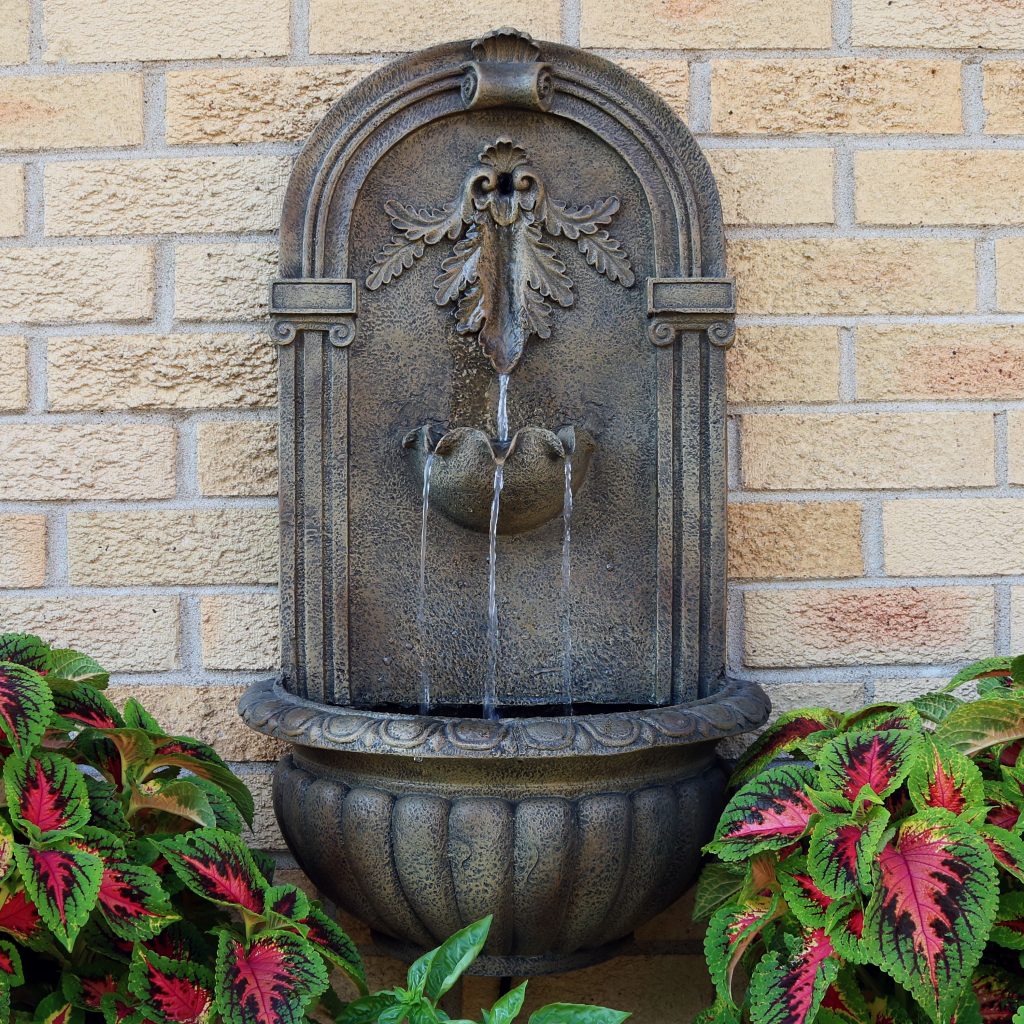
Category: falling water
<point>566,592</point>
<point>502,406</point>
<point>421,609</point>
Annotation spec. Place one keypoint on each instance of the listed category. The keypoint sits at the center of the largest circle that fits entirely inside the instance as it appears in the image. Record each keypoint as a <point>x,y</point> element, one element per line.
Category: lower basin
<point>571,831</point>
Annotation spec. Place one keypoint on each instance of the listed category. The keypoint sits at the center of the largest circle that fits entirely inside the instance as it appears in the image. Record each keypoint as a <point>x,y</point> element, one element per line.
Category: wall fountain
<point>502,316</point>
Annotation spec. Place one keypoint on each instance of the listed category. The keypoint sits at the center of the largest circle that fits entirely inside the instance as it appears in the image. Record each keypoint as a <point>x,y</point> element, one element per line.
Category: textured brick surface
<point>739,24</point>
<point>814,693</point>
<point>12,200</point>
<point>993,24</point>
<point>148,371</point>
<point>855,95</point>
<point>966,537</point>
<point>173,548</point>
<point>70,111</point>
<point>1004,85</point>
<point>22,550</point>
<point>14,38</point>
<point>78,285</point>
<point>108,30</point>
<point>254,104</point>
<point>1015,446</point>
<point>1010,274</point>
<point>939,187</point>
<point>803,540</point>
<point>774,186</point>
<point>853,275</point>
<point>1017,620</point>
<point>821,452</point>
<point>219,281</point>
<point>378,26</point>
<point>867,626</point>
<point>88,461</point>
<point>107,197</point>
<point>124,634</point>
<point>670,79</point>
<point>265,834</point>
<point>784,364</point>
<point>238,458</point>
<point>240,631</point>
<point>922,361</point>
<point>13,374</point>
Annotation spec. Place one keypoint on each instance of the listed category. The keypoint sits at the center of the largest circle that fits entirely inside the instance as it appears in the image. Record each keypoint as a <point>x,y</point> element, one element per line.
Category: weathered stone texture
<point>12,200</point>
<point>1015,446</point>
<point>221,281</point>
<point>22,550</point>
<point>1010,274</point>
<point>991,24</point>
<point>14,38</point>
<point>1003,88</point>
<point>240,632</point>
<point>1017,619</point>
<point>784,364</point>
<point>13,374</point>
<point>238,458</point>
<point>670,79</point>
<point>774,186</point>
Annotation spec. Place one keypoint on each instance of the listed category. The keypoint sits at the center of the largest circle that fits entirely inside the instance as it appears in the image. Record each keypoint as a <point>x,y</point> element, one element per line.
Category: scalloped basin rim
<point>739,706</point>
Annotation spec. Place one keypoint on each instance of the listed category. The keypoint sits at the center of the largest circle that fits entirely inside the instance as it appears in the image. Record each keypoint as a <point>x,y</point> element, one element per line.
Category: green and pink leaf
<point>46,794</point>
<point>789,990</point>
<point>879,760</point>
<point>729,934</point>
<point>217,866</point>
<point>944,778</point>
<point>171,991</point>
<point>842,850</point>
<point>26,706</point>
<point>783,736</point>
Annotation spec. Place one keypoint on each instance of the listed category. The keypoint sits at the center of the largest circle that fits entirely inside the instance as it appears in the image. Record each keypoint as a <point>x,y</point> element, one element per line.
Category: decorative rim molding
<point>268,708</point>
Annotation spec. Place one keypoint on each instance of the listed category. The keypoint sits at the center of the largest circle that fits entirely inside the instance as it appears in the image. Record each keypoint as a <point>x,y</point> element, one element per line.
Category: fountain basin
<point>462,475</point>
<point>572,831</point>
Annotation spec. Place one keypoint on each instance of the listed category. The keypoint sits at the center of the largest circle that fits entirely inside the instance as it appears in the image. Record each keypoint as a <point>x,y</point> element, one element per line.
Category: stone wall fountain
<point>502,316</point>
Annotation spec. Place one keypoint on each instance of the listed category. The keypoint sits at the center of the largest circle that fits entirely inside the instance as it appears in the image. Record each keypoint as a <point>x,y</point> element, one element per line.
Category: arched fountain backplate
<point>480,219</point>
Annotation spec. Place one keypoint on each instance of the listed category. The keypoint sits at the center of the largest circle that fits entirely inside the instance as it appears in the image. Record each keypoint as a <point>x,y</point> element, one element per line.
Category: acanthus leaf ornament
<point>503,273</point>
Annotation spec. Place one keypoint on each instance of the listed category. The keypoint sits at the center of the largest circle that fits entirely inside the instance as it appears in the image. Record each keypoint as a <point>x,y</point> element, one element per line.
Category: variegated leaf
<point>782,737</point>
<point>789,990</point>
<point>880,760</point>
<point>1007,849</point>
<point>171,991</point>
<point>1008,929</point>
<point>332,942</point>
<point>731,930</point>
<point>46,795</point>
<point>217,866</point>
<point>26,706</point>
<point>984,723</point>
<point>943,778</point>
<point>805,898</point>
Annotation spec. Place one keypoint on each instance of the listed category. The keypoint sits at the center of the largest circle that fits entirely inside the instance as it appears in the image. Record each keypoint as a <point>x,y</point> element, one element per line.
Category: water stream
<point>566,590</point>
<point>421,608</point>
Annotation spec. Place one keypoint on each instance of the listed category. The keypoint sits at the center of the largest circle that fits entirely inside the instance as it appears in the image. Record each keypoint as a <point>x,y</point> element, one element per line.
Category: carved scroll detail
<point>502,272</point>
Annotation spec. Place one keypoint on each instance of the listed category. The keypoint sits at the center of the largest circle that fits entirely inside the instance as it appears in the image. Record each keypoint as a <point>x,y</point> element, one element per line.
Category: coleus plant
<point>126,890</point>
<point>869,867</point>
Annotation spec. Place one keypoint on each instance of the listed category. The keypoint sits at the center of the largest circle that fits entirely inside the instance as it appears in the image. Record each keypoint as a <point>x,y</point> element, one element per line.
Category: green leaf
<point>416,979</point>
<point>936,707</point>
<point>137,717</point>
<point>46,795</point>
<point>507,1008</point>
<point>842,849</point>
<point>26,706</point>
<point>781,737</point>
<point>718,884</point>
<point>66,666</point>
<point>11,971</point>
<point>226,814</point>
<point>789,990</point>
<point>576,1013</point>
<point>178,797</point>
<point>1007,849</point>
<point>218,867</point>
<point>944,778</point>
<point>105,807</point>
<point>1008,929</point>
<point>984,723</point>
<point>454,955</point>
<point>368,1009</point>
<point>729,934</point>
<point>998,666</point>
<point>333,944</point>
<point>879,759</point>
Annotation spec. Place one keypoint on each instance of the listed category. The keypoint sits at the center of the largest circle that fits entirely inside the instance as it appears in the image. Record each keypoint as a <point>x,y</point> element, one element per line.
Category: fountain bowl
<point>571,831</point>
<point>462,475</point>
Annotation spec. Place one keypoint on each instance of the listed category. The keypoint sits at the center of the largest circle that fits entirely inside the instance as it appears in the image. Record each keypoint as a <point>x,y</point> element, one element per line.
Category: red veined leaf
<point>55,1009</point>
<point>91,991</point>
<point>19,917</point>
<point>24,649</point>
<point>880,760</point>
<point>844,924</point>
<point>180,798</point>
<point>85,705</point>
<point>842,850</point>
<point>933,901</point>
<point>730,932</point>
<point>46,794</point>
<point>10,965</point>
<point>999,993</point>
<point>843,999</point>
<point>944,778</point>
<point>64,884</point>
<point>217,866</point>
<point>268,981</point>
<point>134,747</point>
<point>984,723</point>
<point>1008,929</point>
<point>768,813</point>
<point>998,667</point>
<point>1003,811</point>
<point>335,945</point>
<point>882,717</point>
<point>26,706</point>
<point>780,738</point>
<point>171,991</point>
<point>790,991</point>
<point>802,893</point>
<point>65,668</point>
<point>133,902</point>
<point>181,941</point>
<point>287,901</point>
<point>1006,847</point>
<point>116,1009</point>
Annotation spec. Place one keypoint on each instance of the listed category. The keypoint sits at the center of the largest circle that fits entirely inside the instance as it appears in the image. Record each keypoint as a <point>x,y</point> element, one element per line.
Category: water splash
<point>566,588</point>
<point>421,608</point>
<point>491,680</point>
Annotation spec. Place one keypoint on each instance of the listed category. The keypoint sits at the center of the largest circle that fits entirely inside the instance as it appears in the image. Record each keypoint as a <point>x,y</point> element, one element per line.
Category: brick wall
<point>871,164</point>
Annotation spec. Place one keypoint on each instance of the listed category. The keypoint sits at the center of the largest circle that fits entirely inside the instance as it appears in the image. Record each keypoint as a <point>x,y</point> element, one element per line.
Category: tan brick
<point>378,26</point>
<point>88,461</point>
<point>960,537</point>
<point>723,24</point>
<point>993,24</point>
<point>200,547</point>
<point>106,30</point>
<point>806,540</point>
<point>923,361</point>
<point>173,371</point>
<point>22,551</point>
<point>774,186</point>
<point>265,834</point>
<point>867,626</point>
<point>13,374</point>
<point>912,186</point>
<point>815,694</point>
<point>784,364</point>
<point>218,281</point>
<point>124,634</point>
<point>12,200</point>
<point>1003,89</point>
<point>1010,274</point>
<point>83,284</point>
<point>669,78</point>
<point>240,631</point>
<point>869,450</point>
<point>238,458</point>
<point>845,276</point>
<point>1017,619</point>
<point>207,713</point>
<point>842,94</point>
<point>107,197</point>
<point>901,689</point>
<point>1015,444</point>
<point>70,111</point>
<point>254,104</point>
<point>648,986</point>
<point>14,38</point>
